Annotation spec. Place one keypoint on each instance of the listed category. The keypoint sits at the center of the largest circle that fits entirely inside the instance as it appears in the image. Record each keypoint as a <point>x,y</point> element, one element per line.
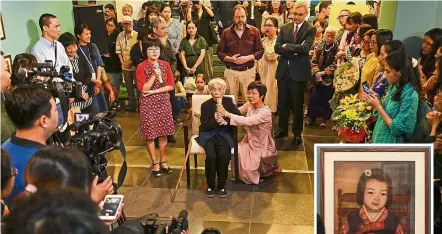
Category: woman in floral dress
<point>154,81</point>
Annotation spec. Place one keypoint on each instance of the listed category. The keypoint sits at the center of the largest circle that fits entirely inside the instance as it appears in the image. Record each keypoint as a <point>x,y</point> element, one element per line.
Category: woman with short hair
<point>258,143</point>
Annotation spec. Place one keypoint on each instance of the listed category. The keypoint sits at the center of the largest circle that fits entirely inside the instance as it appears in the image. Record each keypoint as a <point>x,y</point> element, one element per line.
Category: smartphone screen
<point>365,87</point>
<point>110,206</point>
<point>81,117</point>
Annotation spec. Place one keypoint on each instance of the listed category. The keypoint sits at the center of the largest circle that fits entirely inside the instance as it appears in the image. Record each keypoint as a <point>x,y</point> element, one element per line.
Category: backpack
<point>423,127</point>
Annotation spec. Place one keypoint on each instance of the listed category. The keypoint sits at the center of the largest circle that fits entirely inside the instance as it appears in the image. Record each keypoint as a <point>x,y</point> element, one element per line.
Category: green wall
<point>387,16</point>
<point>20,20</point>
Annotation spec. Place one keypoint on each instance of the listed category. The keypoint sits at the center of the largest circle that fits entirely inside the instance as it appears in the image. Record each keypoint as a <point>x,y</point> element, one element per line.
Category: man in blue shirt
<point>33,111</point>
<point>48,48</point>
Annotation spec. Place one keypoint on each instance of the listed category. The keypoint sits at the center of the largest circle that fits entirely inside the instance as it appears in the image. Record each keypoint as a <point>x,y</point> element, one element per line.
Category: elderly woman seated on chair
<point>216,138</point>
<point>258,142</point>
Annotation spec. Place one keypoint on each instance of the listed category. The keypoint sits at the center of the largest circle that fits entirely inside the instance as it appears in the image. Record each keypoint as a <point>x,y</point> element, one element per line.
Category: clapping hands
<point>434,117</point>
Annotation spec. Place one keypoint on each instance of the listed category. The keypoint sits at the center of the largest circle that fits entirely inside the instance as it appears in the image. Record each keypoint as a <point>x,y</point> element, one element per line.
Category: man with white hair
<point>293,45</point>
<point>216,138</point>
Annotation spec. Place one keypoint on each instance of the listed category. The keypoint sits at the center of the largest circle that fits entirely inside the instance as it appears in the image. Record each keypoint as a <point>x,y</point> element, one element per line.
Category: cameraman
<point>7,126</point>
<point>33,111</point>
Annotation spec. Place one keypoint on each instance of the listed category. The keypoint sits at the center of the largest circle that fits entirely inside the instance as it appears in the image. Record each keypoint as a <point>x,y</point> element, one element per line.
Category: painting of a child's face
<point>217,91</point>
<point>375,195</point>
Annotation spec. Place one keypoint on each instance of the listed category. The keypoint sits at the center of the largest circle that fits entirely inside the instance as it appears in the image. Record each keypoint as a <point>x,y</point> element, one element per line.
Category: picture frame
<point>348,176</point>
<point>2,28</point>
<point>8,60</point>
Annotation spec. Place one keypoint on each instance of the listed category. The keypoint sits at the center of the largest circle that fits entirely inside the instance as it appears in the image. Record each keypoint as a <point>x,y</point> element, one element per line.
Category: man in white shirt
<point>48,48</point>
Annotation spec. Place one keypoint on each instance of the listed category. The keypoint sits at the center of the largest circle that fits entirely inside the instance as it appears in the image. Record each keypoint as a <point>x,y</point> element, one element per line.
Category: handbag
<point>269,163</point>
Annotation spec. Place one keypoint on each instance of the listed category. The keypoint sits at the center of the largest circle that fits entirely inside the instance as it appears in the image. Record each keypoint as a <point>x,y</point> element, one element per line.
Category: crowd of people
<point>277,59</point>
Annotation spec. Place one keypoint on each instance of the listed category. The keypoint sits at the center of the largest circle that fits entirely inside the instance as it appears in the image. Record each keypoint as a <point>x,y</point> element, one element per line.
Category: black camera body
<point>96,137</point>
<point>153,224</point>
<point>58,82</point>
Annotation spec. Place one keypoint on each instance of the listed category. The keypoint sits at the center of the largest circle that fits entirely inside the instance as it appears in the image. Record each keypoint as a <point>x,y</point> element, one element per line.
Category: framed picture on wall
<point>8,59</point>
<point>371,189</point>
<point>2,29</point>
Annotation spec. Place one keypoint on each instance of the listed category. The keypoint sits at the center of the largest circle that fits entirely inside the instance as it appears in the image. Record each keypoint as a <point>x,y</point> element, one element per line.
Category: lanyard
<point>88,59</point>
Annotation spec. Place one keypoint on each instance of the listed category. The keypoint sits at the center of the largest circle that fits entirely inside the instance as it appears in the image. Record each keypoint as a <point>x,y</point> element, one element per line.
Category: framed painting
<point>8,60</point>
<point>2,28</point>
<point>374,188</point>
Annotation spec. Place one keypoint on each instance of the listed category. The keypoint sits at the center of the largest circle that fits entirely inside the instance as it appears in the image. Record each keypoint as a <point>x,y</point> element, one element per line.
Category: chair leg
<point>195,158</point>
<point>181,173</point>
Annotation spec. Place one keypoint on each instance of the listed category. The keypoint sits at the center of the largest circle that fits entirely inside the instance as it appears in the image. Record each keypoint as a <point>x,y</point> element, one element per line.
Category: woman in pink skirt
<point>154,81</point>
<point>258,142</point>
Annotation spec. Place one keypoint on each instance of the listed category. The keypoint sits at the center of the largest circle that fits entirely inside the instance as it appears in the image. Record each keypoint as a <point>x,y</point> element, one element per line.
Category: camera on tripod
<point>152,224</point>
<point>96,137</point>
<point>45,75</point>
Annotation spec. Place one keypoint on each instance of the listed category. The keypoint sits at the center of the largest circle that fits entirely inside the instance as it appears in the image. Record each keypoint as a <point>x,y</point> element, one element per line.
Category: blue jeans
<point>179,104</point>
<point>98,102</point>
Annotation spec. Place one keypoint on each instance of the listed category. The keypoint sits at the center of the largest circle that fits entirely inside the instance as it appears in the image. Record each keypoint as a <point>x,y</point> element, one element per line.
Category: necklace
<point>327,50</point>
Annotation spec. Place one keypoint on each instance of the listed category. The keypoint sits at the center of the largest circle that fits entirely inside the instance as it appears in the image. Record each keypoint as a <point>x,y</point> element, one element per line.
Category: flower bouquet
<point>346,77</point>
<point>351,117</point>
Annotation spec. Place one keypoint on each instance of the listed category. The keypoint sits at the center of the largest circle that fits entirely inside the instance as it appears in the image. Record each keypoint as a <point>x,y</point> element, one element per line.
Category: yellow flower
<point>361,108</point>
<point>368,107</point>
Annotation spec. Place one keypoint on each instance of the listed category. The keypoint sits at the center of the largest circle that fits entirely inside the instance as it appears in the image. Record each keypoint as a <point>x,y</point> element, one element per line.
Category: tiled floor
<point>280,204</point>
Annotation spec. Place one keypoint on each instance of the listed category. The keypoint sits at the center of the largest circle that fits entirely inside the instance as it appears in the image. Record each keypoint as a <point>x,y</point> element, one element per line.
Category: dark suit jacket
<point>223,11</point>
<point>209,127</point>
<point>295,56</point>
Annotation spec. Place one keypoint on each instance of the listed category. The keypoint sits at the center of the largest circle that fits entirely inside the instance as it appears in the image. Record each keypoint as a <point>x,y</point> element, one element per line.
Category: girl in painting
<point>374,195</point>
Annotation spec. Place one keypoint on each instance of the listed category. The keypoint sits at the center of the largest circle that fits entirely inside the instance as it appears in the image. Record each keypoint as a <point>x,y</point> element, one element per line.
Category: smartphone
<point>365,87</point>
<point>110,207</point>
<point>81,117</point>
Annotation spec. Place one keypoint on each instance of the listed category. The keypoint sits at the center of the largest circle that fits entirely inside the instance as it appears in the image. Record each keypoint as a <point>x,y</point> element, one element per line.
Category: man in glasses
<point>343,14</point>
<point>293,45</point>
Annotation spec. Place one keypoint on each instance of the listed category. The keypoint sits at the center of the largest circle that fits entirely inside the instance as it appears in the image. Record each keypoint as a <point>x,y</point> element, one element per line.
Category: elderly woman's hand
<point>220,109</point>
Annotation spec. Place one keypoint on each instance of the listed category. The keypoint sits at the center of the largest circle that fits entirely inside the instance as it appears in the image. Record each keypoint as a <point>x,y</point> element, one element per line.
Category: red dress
<point>155,110</point>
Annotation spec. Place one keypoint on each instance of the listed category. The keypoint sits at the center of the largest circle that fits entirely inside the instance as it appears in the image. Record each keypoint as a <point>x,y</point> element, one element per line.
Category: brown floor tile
<point>130,193</point>
<point>170,180</point>
<point>135,176</point>
<point>157,200</point>
<point>280,208</point>
<point>129,126</point>
<point>292,183</point>
<point>258,228</point>
<point>292,160</point>
<point>236,207</point>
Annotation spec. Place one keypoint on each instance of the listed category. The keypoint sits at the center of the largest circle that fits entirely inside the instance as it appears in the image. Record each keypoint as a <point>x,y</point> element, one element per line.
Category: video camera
<point>45,75</point>
<point>152,224</point>
<point>96,137</point>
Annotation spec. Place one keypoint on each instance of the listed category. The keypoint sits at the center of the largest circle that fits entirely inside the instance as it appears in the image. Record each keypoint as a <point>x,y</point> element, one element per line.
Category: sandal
<point>167,170</point>
<point>156,173</point>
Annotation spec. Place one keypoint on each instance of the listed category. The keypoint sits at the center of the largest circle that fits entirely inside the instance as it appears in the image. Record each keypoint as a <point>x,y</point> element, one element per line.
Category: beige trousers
<point>239,80</point>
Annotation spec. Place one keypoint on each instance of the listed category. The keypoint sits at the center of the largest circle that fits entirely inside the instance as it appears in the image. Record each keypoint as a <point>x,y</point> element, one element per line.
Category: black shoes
<point>297,141</point>
<point>221,193</point>
<point>280,134</point>
<point>167,170</point>
<point>156,173</point>
<point>210,193</point>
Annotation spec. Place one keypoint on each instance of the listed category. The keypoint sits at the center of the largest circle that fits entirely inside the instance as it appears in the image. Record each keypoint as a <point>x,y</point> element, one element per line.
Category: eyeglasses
<point>373,42</point>
<point>14,171</point>
<point>268,25</point>
<point>154,50</point>
<point>299,15</point>
<point>366,42</point>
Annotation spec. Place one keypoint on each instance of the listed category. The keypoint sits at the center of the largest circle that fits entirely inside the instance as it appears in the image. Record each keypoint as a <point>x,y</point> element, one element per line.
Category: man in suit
<point>293,45</point>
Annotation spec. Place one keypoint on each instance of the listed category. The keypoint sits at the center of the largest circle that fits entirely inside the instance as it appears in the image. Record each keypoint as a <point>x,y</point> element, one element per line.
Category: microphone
<point>157,70</point>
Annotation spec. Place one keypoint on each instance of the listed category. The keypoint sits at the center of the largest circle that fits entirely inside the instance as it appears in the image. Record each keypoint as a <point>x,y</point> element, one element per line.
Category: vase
<point>349,136</point>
